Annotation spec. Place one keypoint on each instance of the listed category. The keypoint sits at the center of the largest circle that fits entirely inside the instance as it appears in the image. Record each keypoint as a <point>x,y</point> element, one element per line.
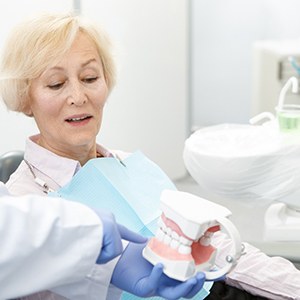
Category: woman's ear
<point>27,111</point>
<point>26,107</point>
<point>28,114</point>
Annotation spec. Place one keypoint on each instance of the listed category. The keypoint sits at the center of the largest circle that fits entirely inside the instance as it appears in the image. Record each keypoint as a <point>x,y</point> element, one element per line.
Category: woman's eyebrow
<point>59,68</point>
<point>88,62</point>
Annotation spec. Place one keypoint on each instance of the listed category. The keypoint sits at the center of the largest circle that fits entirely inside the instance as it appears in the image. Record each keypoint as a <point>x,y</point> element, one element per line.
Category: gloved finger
<point>200,277</point>
<point>112,245</point>
<point>131,236</point>
<point>109,252</point>
<point>179,290</point>
<point>147,286</point>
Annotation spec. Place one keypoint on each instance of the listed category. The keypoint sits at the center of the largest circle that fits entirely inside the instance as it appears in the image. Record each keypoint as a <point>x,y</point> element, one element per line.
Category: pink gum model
<point>183,239</point>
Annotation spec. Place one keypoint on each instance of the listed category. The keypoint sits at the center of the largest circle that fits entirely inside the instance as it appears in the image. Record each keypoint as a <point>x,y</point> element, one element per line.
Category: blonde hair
<point>42,41</point>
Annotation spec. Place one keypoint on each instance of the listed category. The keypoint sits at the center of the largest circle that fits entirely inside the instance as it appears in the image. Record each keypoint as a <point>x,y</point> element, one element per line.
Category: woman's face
<point>67,100</point>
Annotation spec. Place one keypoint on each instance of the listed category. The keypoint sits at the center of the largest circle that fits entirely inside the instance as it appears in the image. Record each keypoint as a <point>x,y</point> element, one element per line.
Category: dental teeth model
<point>183,239</point>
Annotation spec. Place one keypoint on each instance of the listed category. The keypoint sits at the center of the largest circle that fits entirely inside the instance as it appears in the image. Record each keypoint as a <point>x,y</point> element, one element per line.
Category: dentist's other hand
<point>113,234</point>
<point>134,274</point>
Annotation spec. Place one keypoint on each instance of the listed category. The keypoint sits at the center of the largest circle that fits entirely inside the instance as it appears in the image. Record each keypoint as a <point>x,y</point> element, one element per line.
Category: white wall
<point>222,34</point>
<point>148,108</point>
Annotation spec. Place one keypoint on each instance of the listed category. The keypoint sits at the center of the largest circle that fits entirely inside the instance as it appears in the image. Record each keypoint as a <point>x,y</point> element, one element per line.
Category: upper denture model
<point>183,238</point>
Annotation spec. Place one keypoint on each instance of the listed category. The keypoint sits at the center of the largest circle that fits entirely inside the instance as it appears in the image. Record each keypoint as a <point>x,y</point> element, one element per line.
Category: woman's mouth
<point>79,120</point>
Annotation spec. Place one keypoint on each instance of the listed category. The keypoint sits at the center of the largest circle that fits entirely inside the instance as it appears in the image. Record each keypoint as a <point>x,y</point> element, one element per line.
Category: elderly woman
<point>60,71</point>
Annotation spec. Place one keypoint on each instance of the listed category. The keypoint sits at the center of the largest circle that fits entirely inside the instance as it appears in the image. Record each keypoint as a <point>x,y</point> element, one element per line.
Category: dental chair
<point>9,162</point>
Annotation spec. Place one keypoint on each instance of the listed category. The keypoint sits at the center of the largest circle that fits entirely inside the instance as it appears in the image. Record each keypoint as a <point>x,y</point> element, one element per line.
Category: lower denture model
<point>183,239</point>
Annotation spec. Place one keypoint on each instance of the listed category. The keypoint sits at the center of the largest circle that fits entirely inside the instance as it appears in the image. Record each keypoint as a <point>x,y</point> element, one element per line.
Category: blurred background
<point>182,65</point>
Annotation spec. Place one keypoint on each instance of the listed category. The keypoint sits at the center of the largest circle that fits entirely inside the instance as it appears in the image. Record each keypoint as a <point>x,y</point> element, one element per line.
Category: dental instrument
<point>184,239</point>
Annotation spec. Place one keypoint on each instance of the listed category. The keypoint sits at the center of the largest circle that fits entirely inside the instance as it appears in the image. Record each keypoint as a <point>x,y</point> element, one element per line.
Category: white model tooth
<point>184,249</point>
<point>160,234</point>
<point>175,235</point>
<point>205,241</point>
<point>185,241</point>
<point>168,231</point>
<point>167,239</point>
<point>174,244</point>
<point>163,226</point>
<point>160,222</point>
<point>208,234</point>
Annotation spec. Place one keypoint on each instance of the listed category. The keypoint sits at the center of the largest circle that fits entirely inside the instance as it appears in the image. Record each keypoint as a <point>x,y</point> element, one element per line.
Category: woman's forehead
<point>83,51</point>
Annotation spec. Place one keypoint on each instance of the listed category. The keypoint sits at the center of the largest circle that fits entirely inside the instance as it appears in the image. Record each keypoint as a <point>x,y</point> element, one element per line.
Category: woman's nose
<point>76,95</point>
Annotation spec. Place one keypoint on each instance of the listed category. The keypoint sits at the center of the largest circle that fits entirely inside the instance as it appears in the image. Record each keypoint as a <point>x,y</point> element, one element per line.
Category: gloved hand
<point>112,235</point>
<point>134,274</point>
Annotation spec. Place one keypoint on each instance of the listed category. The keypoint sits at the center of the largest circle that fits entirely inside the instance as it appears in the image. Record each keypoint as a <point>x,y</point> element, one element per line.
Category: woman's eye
<point>90,79</point>
<point>55,86</point>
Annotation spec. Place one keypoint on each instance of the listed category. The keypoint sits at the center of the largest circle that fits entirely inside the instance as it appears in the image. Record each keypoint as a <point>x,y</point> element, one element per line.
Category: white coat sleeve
<point>45,242</point>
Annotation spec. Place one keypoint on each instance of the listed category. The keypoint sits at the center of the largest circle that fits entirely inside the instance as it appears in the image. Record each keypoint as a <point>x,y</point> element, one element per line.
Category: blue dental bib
<point>130,189</point>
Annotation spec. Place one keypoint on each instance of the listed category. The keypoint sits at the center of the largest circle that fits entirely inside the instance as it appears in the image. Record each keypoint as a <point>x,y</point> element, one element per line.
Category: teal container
<point>289,118</point>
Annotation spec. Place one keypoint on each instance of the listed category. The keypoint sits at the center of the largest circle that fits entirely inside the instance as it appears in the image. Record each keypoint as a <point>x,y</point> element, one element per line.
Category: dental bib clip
<point>184,238</point>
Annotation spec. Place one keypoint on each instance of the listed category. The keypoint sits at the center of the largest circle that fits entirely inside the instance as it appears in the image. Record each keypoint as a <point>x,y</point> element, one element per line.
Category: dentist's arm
<point>56,242</point>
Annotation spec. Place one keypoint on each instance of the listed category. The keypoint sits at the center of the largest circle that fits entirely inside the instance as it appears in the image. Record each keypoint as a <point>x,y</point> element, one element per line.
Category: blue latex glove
<point>113,234</point>
<point>134,274</point>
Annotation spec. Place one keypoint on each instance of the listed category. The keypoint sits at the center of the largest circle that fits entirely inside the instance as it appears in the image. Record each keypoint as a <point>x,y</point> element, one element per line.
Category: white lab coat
<point>45,243</point>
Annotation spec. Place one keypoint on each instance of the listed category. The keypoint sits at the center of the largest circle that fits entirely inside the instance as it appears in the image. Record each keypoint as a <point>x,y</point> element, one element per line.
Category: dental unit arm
<point>183,239</point>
